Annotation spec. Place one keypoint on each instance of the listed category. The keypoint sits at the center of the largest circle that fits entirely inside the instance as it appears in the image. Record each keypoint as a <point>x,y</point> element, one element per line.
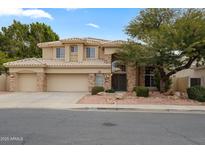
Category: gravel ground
<point>129,98</point>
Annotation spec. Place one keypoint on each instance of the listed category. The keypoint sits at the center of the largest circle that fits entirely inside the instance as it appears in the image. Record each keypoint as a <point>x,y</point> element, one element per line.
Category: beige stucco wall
<point>192,73</point>
<point>110,50</point>
<point>50,53</point>
<point>47,53</point>
<point>26,70</point>
<point>180,84</point>
<point>78,70</point>
<point>3,82</point>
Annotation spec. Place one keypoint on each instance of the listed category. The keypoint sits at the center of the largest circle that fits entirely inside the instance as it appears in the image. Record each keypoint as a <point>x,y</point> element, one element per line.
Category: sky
<point>99,23</point>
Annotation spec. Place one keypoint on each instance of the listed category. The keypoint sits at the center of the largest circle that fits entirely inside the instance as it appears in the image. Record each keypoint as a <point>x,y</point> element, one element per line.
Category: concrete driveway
<point>53,100</point>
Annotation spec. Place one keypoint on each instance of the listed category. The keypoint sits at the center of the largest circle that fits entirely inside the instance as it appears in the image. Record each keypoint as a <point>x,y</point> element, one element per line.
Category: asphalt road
<point>36,126</point>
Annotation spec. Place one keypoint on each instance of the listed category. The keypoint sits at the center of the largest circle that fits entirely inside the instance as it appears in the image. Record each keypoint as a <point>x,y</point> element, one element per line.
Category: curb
<point>137,109</point>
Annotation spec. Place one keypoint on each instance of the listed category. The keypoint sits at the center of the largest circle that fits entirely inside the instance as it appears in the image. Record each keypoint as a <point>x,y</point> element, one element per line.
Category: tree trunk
<point>163,79</point>
<point>162,86</point>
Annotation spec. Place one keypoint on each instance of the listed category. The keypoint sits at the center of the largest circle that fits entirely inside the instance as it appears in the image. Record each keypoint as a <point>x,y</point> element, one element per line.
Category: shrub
<point>110,91</point>
<point>134,89</point>
<point>196,93</point>
<point>142,91</point>
<point>96,90</point>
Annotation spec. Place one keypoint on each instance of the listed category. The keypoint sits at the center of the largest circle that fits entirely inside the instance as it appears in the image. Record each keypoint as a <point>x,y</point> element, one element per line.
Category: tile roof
<point>39,62</point>
<point>86,40</point>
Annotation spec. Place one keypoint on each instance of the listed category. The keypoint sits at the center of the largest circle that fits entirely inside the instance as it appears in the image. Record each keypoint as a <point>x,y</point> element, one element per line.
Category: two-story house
<point>76,64</point>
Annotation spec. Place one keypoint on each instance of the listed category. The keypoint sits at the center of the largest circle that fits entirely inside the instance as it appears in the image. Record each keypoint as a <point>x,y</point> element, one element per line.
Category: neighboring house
<point>76,64</point>
<point>188,78</point>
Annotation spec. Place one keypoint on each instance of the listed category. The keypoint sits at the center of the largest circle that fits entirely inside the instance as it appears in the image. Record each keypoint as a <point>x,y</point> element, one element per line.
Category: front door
<point>119,82</point>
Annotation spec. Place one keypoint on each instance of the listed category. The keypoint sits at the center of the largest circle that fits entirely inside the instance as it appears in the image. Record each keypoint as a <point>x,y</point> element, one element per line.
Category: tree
<point>4,57</point>
<point>40,32</point>
<point>172,39</point>
<point>21,39</point>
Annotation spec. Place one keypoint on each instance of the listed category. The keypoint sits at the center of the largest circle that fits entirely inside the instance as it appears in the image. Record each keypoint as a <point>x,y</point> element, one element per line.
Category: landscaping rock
<point>119,95</point>
<point>184,95</point>
<point>177,94</point>
<point>101,93</point>
<point>169,92</point>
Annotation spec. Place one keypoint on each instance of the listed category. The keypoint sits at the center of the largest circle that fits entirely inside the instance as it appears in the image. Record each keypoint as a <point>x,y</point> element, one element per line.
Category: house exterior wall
<point>181,80</point>
<point>41,76</point>
<point>12,78</point>
<point>131,78</point>
<point>47,53</point>
<point>41,82</point>
<point>134,76</point>
<point>107,81</point>
<point>50,52</point>
<point>91,81</point>
<point>3,82</point>
<point>110,50</point>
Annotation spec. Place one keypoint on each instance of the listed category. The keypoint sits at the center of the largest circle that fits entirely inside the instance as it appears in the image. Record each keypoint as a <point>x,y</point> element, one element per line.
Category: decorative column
<point>41,82</point>
<point>12,82</point>
<point>107,81</point>
<point>131,77</point>
<point>67,53</point>
<point>91,81</point>
<point>80,52</point>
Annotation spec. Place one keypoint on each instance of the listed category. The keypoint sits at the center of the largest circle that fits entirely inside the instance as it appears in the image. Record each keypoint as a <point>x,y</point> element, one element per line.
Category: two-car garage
<point>67,82</point>
<point>55,82</point>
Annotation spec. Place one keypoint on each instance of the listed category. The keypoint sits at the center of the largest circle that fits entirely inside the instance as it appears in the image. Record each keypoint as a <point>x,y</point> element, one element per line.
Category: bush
<point>97,89</point>
<point>196,93</point>
<point>134,89</point>
<point>110,91</point>
<point>142,91</point>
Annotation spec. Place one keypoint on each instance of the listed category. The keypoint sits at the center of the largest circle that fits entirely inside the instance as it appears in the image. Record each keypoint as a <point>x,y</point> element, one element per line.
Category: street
<point>42,126</point>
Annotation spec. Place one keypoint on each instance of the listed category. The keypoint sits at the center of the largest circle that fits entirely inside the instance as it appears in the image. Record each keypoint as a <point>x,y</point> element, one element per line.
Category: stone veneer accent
<point>107,82</point>
<point>107,58</point>
<point>141,76</point>
<point>12,82</point>
<point>41,82</point>
<point>131,77</point>
<point>91,81</point>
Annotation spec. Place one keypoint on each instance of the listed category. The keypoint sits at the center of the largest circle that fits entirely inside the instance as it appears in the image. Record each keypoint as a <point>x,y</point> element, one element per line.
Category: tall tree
<point>20,40</point>
<point>172,39</point>
<point>40,32</point>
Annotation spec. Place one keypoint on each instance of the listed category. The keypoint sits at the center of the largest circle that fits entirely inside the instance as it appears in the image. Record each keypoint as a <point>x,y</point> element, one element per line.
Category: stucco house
<point>76,64</point>
<point>188,78</point>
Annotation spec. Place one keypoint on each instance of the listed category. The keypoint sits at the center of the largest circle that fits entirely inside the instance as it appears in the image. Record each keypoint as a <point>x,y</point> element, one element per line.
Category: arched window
<point>118,66</point>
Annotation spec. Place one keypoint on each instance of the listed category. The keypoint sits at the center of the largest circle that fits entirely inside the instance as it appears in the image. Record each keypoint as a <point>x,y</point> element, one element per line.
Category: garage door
<point>27,82</point>
<point>67,82</point>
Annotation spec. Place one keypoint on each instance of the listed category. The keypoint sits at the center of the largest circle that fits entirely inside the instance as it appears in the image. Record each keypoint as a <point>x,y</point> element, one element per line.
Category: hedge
<point>97,89</point>
<point>196,93</point>
<point>142,91</point>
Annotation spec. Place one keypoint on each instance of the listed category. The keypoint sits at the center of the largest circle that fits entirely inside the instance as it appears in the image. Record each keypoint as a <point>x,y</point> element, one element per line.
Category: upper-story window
<point>60,53</point>
<point>90,52</point>
<point>74,49</point>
